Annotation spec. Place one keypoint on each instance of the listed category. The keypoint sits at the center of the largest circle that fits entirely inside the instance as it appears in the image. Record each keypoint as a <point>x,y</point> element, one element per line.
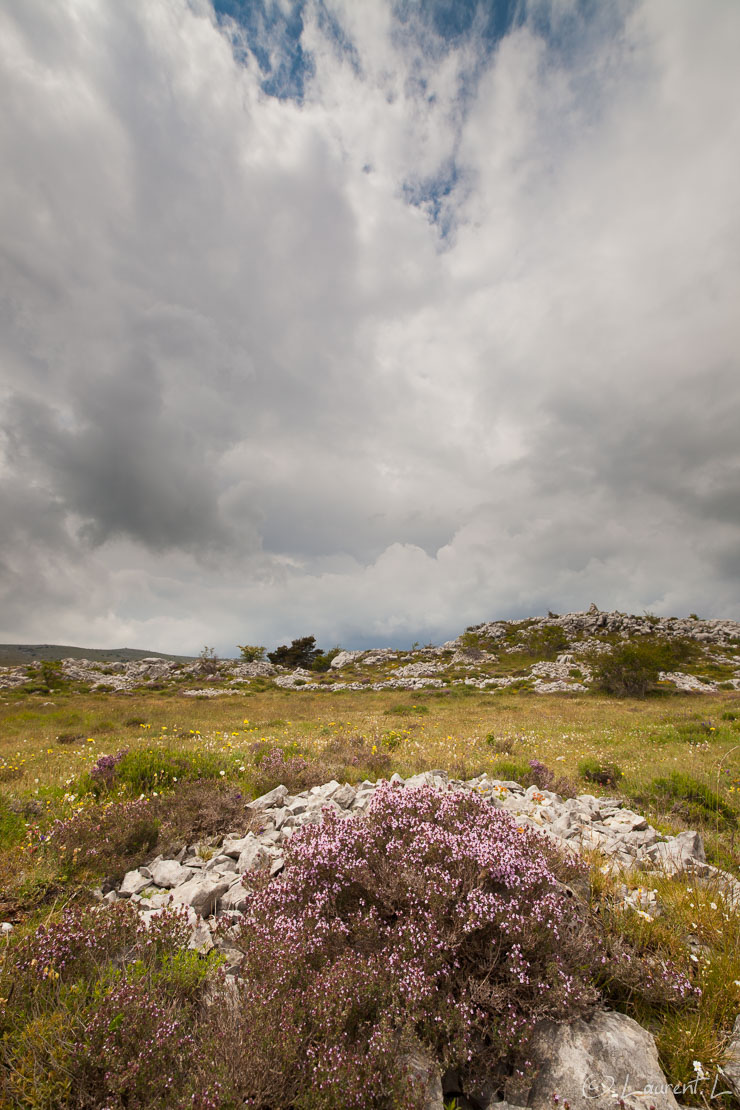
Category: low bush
<point>112,837</point>
<point>146,769</point>
<point>631,669</point>
<point>103,1010</point>
<point>275,768</point>
<point>435,920</point>
<point>595,770</point>
<point>104,839</point>
<point>510,770</point>
<point>686,797</point>
<point>545,643</point>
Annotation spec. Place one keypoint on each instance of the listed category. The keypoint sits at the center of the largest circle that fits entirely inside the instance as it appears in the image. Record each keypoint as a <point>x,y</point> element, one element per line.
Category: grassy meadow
<point>675,757</point>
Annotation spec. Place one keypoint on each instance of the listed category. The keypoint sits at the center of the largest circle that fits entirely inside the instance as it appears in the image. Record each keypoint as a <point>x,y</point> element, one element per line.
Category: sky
<point>368,321</point>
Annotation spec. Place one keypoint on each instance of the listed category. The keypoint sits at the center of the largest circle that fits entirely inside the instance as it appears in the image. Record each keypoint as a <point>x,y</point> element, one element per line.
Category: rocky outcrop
<point>210,880</point>
<point>468,659</point>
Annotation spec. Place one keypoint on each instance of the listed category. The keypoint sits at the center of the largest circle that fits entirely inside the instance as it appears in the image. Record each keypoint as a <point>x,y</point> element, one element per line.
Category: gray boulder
<point>200,893</point>
<point>169,873</point>
<point>422,1074</point>
<point>684,852</point>
<point>731,1066</point>
<point>596,1063</point>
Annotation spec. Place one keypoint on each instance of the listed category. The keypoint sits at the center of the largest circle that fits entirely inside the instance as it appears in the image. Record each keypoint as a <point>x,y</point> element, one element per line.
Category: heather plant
<point>114,836</point>
<point>104,839</point>
<point>294,771</point>
<point>103,772</point>
<point>102,1009</point>
<point>435,920</point>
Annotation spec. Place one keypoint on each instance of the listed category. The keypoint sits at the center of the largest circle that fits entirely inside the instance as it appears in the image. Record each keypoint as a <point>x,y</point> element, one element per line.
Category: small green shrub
<point>631,669</point>
<point>688,798</point>
<point>594,770</point>
<point>545,643</point>
<point>511,770</point>
<point>146,769</point>
<point>404,710</point>
<point>251,653</point>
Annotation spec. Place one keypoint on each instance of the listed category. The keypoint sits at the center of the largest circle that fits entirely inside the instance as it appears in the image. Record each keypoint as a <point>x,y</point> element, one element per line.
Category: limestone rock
<point>421,1071</point>
<point>731,1066</point>
<point>595,1063</point>
<point>169,873</point>
<point>200,893</point>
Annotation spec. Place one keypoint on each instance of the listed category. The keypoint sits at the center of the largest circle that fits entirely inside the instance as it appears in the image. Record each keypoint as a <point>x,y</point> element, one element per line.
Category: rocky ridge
<point>579,1060</point>
<point>491,656</point>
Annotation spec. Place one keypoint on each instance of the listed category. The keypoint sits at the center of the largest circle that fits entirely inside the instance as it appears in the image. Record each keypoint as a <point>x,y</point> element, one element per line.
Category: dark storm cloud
<point>443,327</point>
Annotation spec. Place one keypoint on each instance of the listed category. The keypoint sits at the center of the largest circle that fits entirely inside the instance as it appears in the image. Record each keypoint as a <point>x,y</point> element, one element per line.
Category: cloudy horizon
<point>365,320</point>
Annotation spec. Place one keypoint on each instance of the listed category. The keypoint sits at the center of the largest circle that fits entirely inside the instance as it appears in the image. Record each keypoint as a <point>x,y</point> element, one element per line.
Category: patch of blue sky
<point>438,197</point>
<point>272,34</point>
<point>452,20</point>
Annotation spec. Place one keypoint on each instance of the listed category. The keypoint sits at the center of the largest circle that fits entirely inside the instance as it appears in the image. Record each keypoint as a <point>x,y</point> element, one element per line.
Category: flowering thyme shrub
<point>295,772</point>
<point>111,838</point>
<point>435,919</point>
<point>101,1010</point>
<point>104,771</point>
<point>100,839</point>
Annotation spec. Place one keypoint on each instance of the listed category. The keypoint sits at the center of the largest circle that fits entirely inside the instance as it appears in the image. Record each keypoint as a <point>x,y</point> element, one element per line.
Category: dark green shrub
<point>511,770</point>
<point>628,670</point>
<point>302,652</point>
<point>594,770</point>
<point>631,669</point>
<point>688,798</point>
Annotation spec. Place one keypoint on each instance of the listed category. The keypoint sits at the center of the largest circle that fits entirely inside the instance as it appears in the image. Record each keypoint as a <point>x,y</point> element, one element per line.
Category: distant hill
<point>13,655</point>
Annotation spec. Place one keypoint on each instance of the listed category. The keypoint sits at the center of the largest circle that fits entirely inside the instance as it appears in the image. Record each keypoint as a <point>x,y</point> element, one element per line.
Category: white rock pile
<point>584,1062</point>
<point>209,880</point>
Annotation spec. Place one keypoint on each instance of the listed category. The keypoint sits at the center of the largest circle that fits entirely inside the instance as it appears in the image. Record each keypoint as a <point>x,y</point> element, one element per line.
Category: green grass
<point>678,753</point>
